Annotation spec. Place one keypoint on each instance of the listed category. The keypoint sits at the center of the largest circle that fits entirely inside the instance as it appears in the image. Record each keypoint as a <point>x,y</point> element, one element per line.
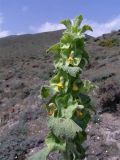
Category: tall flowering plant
<point>69,107</point>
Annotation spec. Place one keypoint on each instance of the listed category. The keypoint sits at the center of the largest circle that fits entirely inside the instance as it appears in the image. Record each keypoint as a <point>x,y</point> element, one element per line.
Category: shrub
<point>69,105</point>
<point>109,42</point>
<point>15,143</point>
<point>109,96</point>
<point>10,143</point>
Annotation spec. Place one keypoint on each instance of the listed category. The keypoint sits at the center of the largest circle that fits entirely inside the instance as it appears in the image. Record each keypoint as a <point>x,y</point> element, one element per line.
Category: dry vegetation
<point>24,67</point>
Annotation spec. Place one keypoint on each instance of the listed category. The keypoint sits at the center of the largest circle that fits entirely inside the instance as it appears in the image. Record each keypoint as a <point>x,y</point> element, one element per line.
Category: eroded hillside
<point>25,66</point>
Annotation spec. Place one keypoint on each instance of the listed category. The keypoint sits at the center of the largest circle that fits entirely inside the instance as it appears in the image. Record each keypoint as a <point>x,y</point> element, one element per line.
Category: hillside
<point>25,66</point>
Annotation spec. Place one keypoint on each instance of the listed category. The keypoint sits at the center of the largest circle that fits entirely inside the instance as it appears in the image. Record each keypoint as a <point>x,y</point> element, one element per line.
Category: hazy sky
<point>32,16</point>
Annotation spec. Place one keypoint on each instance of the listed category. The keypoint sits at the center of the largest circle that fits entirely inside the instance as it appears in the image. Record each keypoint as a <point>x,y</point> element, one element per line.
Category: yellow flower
<point>79,113</point>
<point>70,60</point>
<point>60,85</point>
<point>51,111</point>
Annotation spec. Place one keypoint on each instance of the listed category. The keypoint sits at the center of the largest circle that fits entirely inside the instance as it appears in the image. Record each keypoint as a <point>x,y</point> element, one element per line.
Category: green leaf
<point>82,63</point>
<point>78,21</point>
<point>65,46</point>
<point>64,127</point>
<point>54,49</point>
<point>62,101</point>
<point>66,38</point>
<point>86,28</point>
<point>87,86</point>
<point>82,121</point>
<point>45,91</point>
<point>69,111</point>
<point>84,99</point>
<point>71,70</point>
<point>67,23</point>
<point>58,62</point>
<point>66,105</point>
<point>81,137</point>
<point>74,36</point>
<point>54,143</point>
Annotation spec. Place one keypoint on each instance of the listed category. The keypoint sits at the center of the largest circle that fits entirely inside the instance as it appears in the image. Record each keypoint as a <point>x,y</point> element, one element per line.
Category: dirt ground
<point>25,67</point>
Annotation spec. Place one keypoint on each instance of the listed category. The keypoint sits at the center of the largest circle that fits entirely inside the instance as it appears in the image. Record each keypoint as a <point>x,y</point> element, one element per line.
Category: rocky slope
<point>24,67</point>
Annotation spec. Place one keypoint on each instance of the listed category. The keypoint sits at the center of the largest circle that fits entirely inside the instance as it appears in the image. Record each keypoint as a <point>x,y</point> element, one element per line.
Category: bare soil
<point>25,67</point>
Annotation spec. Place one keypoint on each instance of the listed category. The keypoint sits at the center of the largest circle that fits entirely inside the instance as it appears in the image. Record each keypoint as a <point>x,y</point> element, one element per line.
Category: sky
<point>35,16</point>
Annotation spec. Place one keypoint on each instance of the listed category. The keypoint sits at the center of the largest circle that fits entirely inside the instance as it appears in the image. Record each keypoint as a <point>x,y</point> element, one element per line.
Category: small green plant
<point>109,42</point>
<point>69,107</point>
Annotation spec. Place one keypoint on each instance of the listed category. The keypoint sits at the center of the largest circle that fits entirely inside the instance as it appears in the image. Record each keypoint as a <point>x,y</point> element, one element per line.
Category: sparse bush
<point>109,96</point>
<point>109,42</point>
<point>15,143</point>
<point>10,143</point>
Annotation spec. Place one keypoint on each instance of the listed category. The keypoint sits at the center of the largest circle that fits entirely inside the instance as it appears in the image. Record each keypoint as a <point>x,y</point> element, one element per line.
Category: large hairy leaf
<point>66,105</point>
<point>53,144</point>
<point>63,101</point>
<point>54,49</point>
<point>64,127</point>
<point>69,111</point>
<point>74,36</point>
<point>87,86</point>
